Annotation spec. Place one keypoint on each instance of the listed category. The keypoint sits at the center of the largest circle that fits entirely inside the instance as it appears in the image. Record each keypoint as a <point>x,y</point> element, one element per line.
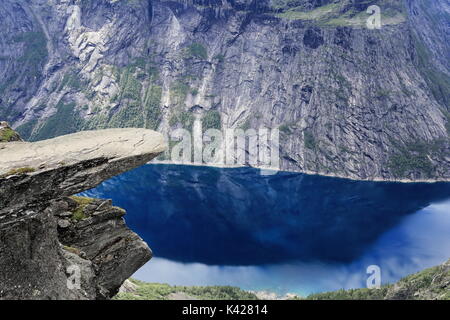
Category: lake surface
<point>285,233</point>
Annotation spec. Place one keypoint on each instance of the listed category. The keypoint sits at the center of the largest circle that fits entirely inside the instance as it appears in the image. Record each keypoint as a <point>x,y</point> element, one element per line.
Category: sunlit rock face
<point>57,247</point>
<point>348,101</point>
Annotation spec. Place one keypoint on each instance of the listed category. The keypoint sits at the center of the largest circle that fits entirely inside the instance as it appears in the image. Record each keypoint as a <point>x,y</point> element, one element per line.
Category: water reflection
<point>422,240</point>
<point>236,217</point>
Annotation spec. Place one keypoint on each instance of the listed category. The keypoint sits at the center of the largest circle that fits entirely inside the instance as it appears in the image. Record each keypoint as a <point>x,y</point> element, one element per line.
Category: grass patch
<point>80,213</point>
<point>429,282</point>
<point>66,120</point>
<point>196,51</point>
<point>310,140</point>
<point>392,12</point>
<point>19,171</point>
<point>352,294</point>
<point>152,103</point>
<point>25,130</point>
<point>413,157</point>
<point>285,129</point>
<point>7,135</point>
<point>183,118</point>
<point>212,120</point>
<point>72,81</point>
<point>179,90</point>
<point>72,250</point>
<point>35,53</point>
<point>155,291</point>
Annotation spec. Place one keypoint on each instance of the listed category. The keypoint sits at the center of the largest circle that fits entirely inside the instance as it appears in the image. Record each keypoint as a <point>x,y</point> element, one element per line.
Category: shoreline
<point>306,172</point>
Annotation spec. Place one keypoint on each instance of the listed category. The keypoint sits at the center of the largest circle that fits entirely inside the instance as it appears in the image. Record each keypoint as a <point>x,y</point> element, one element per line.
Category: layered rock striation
<point>53,246</point>
<point>348,100</point>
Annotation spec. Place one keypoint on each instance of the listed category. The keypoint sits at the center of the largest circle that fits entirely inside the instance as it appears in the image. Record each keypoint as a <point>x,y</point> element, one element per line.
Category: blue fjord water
<point>285,233</point>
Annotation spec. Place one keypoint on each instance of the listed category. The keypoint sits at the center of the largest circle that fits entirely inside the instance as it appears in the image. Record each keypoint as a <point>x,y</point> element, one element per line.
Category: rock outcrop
<point>349,101</point>
<point>7,134</point>
<point>53,246</point>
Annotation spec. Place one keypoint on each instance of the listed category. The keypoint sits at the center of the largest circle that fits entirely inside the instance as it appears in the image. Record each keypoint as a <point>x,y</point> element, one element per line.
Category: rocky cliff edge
<point>57,246</point>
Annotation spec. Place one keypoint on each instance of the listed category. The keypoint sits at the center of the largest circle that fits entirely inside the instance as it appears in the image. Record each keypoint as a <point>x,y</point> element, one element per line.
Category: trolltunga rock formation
<point>48,238</point>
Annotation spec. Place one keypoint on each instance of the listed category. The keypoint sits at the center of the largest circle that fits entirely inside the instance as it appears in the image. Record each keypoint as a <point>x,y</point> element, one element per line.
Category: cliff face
<point>57,247</point>
<point>348,101</point>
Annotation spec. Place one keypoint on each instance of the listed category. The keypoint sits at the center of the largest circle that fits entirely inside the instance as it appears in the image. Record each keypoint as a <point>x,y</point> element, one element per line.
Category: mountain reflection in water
<point>229,226</point>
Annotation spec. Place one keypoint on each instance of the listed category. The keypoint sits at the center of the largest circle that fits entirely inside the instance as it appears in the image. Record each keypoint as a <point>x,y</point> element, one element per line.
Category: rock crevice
<point>53,246</point>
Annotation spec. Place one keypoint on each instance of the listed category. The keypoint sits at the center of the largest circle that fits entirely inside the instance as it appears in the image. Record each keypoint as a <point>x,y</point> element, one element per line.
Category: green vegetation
<point>179,90</point>
<point>392,12</point>
<point>152,102</point>
<point>310,140</point>
<point>72,250</point>
<point>382,94</point>
<point>25,130</point>
<point>130,115</point>
<point>155,291</point>
<point>19,171</point>
<point>438,82</point>
<point>35,53</point>
<point>139,101</point>
<point>184,119</point>
<point>246,125</point>
<point>197,51</point>
<point>212,120</point>
<point>66,120</point>
<point>285,129</point>
<point>413,157</point>
<point>32,62</point>
<point>6,134</point>
<point>220,58</point>
<point>298,13</point>
<point>72,81</point>
<point>430,283</point>
<point>352,294</point>
<point>79,213</point>
<point>130,86</point>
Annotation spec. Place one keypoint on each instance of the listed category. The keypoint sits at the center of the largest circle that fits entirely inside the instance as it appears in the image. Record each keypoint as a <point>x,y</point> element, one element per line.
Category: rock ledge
<point>53,246</point>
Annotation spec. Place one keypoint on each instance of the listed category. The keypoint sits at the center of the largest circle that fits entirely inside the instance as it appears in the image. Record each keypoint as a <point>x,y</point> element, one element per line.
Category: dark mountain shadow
<point>238,217</point>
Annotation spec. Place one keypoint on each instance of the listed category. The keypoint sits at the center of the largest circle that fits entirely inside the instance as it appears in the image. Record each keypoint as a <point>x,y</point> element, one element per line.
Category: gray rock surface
<point>48,239</point>
<point>352,102</point>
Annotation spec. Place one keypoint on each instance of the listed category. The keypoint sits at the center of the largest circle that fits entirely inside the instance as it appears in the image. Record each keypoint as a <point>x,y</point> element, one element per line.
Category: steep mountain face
<point>348,100</point>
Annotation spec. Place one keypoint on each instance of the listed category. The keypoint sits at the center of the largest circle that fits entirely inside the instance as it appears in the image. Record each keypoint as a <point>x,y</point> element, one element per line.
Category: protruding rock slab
<point>45,170</point>
<point>110,144</point>
<point>47,240</point>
